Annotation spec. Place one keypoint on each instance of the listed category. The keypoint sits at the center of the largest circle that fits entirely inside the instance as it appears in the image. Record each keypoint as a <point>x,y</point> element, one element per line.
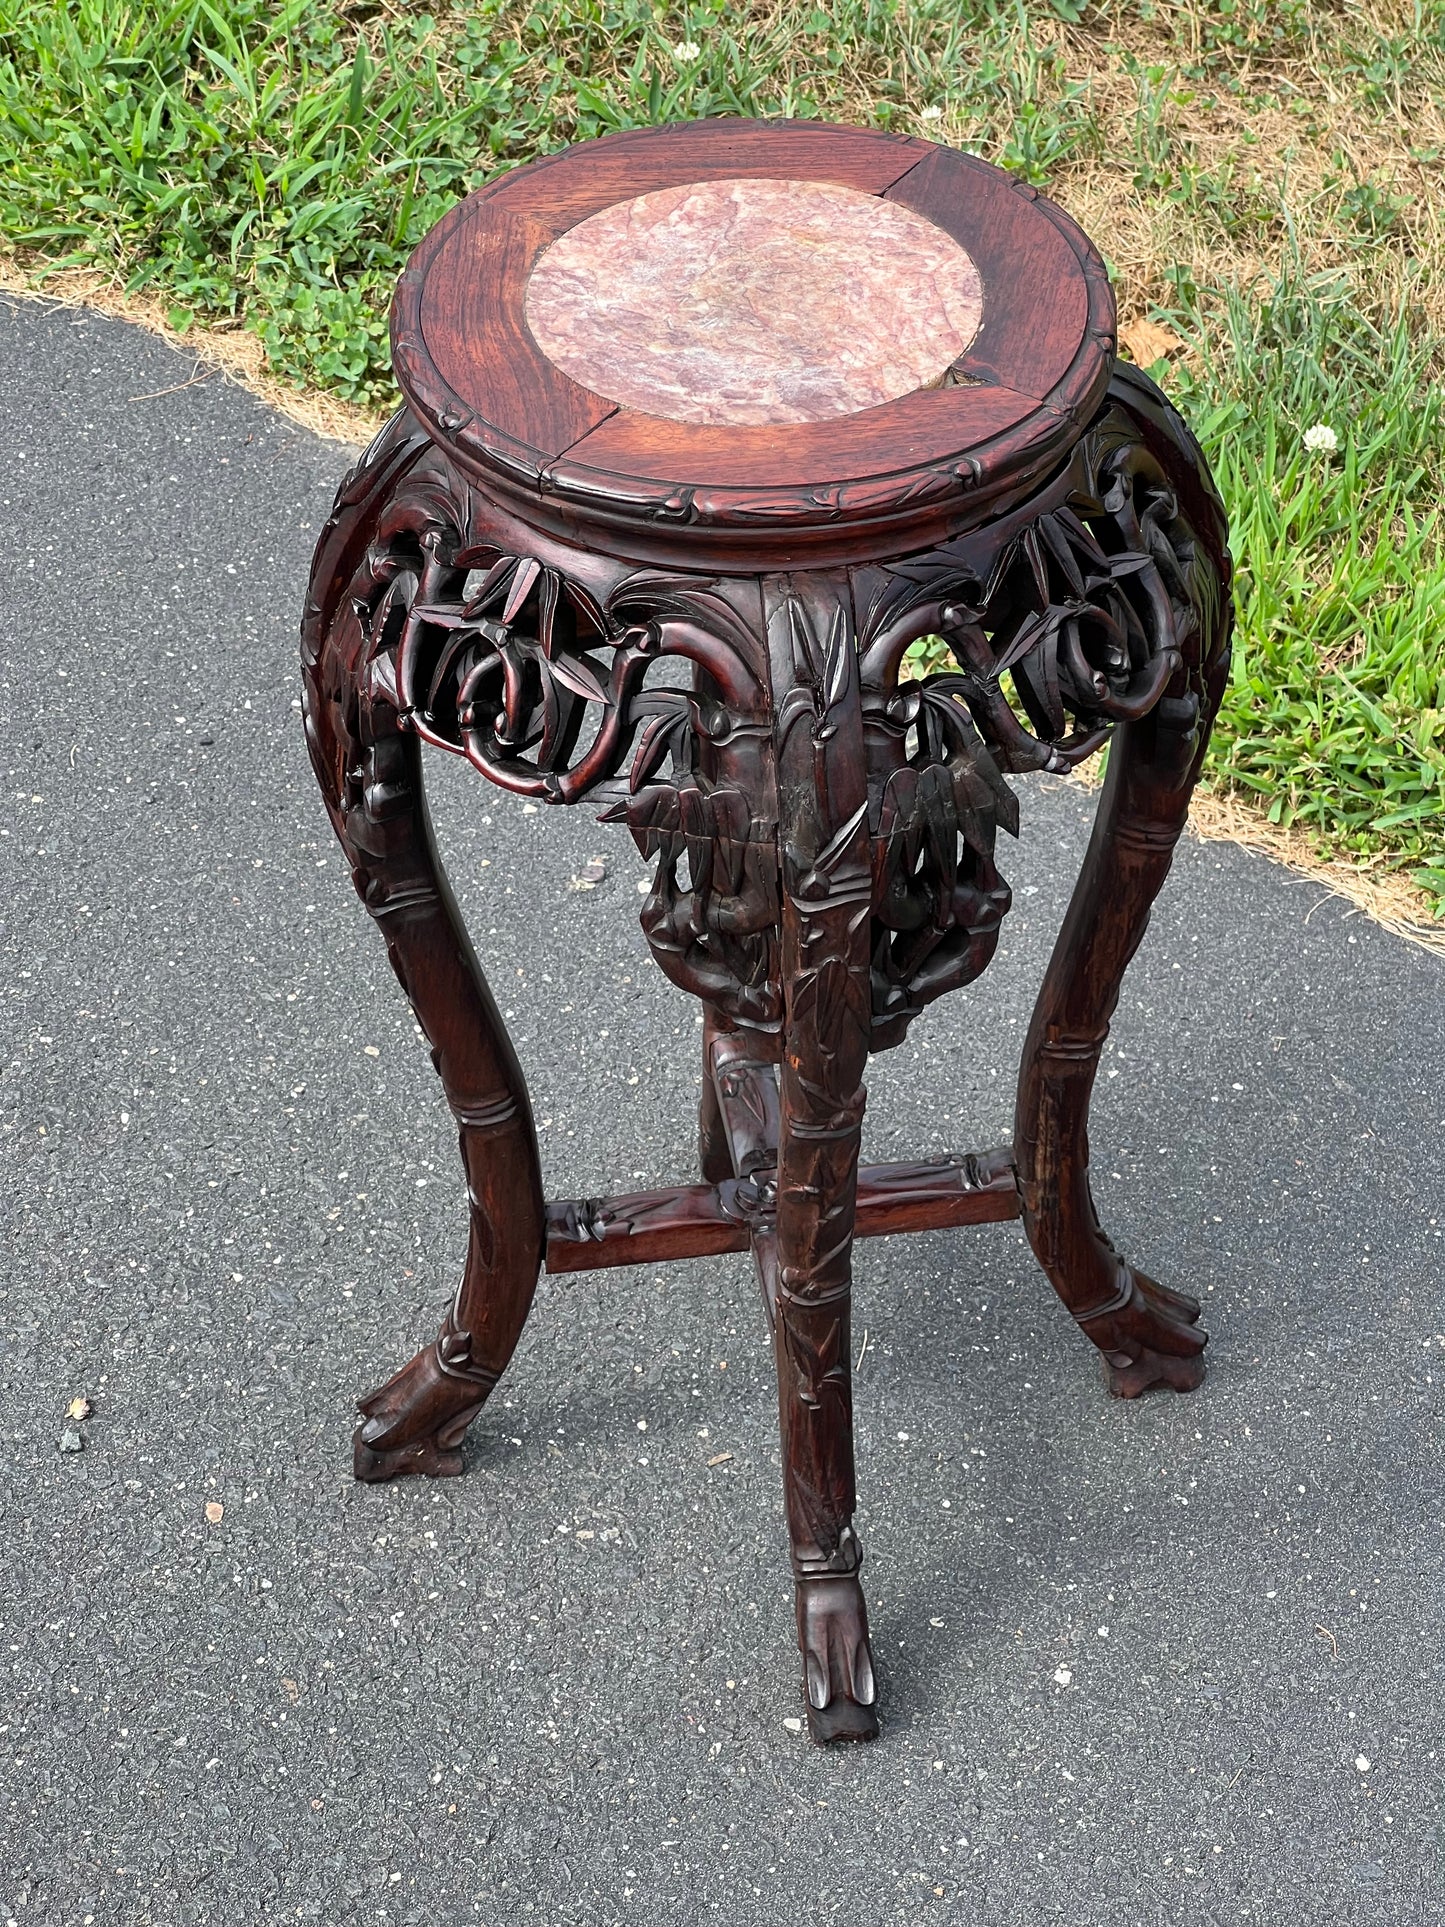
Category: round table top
<point>755,338</point>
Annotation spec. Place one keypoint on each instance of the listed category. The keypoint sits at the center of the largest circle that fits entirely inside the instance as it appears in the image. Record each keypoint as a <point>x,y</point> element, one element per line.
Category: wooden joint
<point>703,1220</point>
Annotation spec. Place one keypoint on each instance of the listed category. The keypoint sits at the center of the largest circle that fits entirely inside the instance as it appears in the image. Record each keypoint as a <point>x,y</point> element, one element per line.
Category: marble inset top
<point>754,301</point>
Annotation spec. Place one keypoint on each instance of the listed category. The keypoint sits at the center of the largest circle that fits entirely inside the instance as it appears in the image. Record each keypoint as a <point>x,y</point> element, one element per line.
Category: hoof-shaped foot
<point>425,1457</point>
<point>1128,1377</point>
<point>415,1422</point>
<point>1152,1339</point>
<point>838,1677</point>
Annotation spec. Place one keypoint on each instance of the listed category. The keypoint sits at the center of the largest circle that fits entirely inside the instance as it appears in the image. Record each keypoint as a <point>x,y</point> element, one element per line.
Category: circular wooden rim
<point>1018,397</point>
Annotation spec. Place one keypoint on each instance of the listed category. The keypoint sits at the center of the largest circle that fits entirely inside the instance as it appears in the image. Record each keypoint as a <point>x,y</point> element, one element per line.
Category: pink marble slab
<point>754,301</point>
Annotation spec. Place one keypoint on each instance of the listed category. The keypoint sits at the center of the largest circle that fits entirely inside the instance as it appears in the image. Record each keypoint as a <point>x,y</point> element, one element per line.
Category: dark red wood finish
<point>824,833</point>
<point>701,1220</point>
<point>919,468</point>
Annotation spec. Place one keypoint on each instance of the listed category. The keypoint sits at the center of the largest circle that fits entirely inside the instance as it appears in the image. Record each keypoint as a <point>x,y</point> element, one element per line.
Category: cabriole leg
<point>369,769</point>
<point>1148,1335</point>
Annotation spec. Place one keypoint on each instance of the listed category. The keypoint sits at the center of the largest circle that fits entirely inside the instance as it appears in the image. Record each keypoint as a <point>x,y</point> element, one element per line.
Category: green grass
<point>1259,171</point>
<point>1335,716</point>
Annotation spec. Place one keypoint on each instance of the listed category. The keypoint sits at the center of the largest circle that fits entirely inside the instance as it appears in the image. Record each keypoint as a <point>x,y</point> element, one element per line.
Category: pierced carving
<point>711,915</point>
<point>1085,601</point>
<point>1086,607</point>
<point>537,673</point>
<point>500,662</point>
<point>938,898</point>
<point>544,668</point>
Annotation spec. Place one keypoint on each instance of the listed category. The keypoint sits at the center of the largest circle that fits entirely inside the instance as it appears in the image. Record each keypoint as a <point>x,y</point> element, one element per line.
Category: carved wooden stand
<point>824,833</point>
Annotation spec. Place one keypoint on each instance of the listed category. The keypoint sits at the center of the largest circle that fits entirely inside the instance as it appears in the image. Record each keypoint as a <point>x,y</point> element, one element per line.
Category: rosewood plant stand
<point>704,427</point>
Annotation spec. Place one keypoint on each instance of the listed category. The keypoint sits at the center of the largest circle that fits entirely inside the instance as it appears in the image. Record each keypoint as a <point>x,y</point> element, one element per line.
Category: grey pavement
<point>1173,1662</point>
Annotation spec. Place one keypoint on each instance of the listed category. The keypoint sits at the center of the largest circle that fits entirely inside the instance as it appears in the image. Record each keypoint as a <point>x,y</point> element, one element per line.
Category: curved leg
<point>1148,1335</point>
<point>826,902</point>
<point>369,769</point>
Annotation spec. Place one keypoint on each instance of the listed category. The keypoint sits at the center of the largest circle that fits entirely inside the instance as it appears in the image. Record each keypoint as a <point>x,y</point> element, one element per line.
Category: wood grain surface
<point>938,458</point>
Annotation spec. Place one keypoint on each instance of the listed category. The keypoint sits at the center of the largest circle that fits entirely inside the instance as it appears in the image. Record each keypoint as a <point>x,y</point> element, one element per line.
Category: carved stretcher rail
<point>701,1220</point>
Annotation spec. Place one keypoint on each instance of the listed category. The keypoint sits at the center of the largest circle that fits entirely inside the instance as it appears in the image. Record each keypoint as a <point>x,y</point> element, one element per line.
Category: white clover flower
<point>1322,439</point>
<point>686,50</point>
<point>931,113</point>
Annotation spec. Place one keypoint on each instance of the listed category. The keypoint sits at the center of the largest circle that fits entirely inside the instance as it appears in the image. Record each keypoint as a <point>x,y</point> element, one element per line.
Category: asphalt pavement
<point>1176,1662</point>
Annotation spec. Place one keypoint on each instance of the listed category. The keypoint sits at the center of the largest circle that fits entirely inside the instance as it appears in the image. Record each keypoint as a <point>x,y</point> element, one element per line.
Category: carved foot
<point>415,1422</point>
<point>1148,1336</point>
<point>837,1659</point>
